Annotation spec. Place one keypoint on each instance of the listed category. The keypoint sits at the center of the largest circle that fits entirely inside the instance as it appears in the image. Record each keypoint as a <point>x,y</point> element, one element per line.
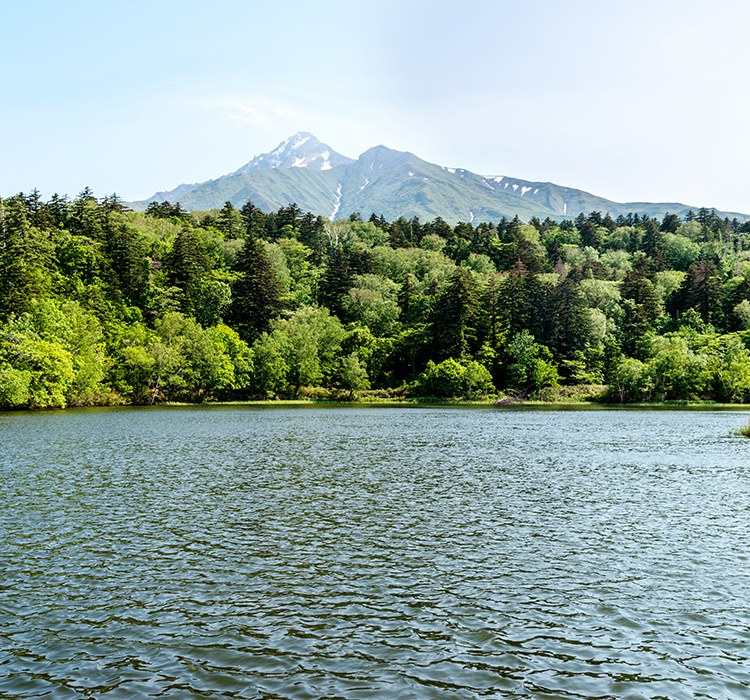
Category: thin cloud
<point>259,112</point>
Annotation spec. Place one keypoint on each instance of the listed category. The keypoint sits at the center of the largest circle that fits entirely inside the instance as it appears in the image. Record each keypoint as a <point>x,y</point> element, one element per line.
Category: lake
<point>384,552</point>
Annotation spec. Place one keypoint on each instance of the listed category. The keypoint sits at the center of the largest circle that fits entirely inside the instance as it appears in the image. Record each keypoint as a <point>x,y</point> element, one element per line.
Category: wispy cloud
<point>256,112</point>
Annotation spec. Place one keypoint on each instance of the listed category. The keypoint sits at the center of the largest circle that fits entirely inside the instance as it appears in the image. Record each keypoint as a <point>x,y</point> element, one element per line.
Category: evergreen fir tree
<point>187,267</point>
<point>569,327</point>
<point>700,290</point>
<point>521,301</point>
<point>126,257</point>
<point>228,221</point>
<point>26,254</point>
<point>336,281</point>
<point>254,220</point>
<point>256,294</point>
<point>458,322</point>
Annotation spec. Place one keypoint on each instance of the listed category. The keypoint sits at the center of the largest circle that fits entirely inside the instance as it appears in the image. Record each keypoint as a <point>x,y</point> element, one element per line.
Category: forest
<point>101,305</point>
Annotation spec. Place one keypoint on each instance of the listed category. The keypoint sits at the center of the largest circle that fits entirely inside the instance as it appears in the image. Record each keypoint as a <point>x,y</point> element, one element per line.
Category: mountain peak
<point>302,150</point>
<point>393,184</point>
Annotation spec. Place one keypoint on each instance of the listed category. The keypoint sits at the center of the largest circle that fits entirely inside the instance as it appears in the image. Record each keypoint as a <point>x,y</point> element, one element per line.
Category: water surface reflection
<point>361,552</point>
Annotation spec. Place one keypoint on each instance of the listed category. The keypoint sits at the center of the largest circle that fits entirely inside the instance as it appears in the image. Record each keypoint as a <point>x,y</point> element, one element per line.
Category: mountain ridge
<point>392,184</point>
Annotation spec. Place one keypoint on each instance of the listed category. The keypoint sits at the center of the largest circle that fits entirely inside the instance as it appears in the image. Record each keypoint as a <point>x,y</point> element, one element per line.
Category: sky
<point>645,100</point>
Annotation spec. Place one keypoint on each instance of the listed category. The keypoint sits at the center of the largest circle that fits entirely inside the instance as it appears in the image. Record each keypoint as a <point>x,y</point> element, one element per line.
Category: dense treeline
<point>99,304</point>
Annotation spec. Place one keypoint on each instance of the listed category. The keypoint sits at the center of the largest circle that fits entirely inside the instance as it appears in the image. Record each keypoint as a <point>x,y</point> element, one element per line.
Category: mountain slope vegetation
<point>310,174</point>
<point>103,305</point>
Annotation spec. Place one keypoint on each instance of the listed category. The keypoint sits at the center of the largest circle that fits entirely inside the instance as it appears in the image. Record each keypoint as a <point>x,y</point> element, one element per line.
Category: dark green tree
<point>312,233</point>
<point>521,300</point>
<point>256,294</point>
<point>126,258</point>
<point>458,323</point>
<point>86,217</point>
<point>652,241</point>
<point>569,327</point>
<point>165,210</point>
<point>670,223</point>
<point>254,220</point>
<point>26,255</point>
<point>590,234</point>
<point>641,307</point>
<point>187,267</point>
<point>336,281</point>
<point>290,215</point>
<point>700,290</point>
<point>229,221</point>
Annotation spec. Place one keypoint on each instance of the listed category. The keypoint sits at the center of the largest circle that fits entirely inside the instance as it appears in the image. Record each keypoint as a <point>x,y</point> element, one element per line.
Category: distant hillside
<point>393,184</point>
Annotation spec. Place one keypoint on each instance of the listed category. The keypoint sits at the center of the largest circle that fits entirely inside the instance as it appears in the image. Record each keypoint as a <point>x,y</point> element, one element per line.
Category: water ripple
<point>366,553</point>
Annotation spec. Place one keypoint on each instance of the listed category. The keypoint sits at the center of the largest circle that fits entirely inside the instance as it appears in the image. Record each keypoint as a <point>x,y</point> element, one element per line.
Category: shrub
<point>452,379</point>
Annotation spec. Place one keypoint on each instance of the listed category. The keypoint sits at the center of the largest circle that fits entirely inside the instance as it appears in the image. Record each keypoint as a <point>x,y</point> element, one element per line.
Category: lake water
<point>235,552</point>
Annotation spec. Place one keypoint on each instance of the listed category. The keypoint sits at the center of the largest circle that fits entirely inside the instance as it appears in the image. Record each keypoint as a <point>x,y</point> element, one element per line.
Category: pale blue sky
<point>639,100</point>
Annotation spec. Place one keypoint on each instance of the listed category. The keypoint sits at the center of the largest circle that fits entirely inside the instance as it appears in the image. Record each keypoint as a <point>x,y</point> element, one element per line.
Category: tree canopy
<point>100,304</point>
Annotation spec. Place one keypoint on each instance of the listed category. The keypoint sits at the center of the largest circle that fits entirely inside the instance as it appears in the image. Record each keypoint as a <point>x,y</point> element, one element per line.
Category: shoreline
<point>422,402</point>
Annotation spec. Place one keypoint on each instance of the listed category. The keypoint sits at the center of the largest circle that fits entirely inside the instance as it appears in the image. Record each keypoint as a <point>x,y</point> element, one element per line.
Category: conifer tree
<point>590,234</point>
<point>254,220</point>
<point>312,234</point>
<point>256,294</point>
<point>652,241</point>
<point>700,290</point>
<point>458,319</point>
<point>670,223</point>
<point>643,306</point>
<point>126,256</point>
<point>336,281</point>
<point>188,266</point>
<point>228,221</point>
<point>569,326</point>
<point>86,217</point>
<point>288,216</point>
<point>25,256</point>
<point>521,299</point>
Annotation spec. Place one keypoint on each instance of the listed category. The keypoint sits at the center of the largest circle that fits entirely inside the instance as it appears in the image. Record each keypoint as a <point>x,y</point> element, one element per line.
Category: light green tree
<point>451,378</point>
<point>270,369</point>
<point>675,371</point>
<point>310,342</point>
<point>531,366</point>
<point>372,302</point>
<point>353,374</point>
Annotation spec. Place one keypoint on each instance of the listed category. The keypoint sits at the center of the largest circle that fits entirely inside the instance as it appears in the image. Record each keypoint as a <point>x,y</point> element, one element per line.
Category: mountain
<point>302,150</point>
<point>392,184</point>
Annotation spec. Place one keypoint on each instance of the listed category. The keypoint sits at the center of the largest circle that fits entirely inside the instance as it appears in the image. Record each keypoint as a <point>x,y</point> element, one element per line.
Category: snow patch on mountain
<point>302,150</point>
<point>337,203</point>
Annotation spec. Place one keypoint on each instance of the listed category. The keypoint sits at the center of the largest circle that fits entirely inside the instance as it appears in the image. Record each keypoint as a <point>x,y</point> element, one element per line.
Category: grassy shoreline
<point>576,401</point>
<point>486,403</point>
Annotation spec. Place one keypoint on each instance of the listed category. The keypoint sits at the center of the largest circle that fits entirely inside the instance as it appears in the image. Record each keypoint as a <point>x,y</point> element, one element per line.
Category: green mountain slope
<point>397,183</point>
<point>269,189</point>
